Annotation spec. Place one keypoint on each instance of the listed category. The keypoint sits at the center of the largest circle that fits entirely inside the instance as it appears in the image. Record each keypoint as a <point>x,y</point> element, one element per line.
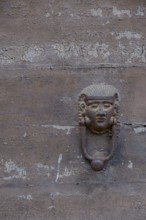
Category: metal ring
<point>97,163</point>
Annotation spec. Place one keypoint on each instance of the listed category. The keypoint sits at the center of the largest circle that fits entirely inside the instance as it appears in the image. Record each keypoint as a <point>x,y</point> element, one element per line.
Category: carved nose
<point>100,111</point>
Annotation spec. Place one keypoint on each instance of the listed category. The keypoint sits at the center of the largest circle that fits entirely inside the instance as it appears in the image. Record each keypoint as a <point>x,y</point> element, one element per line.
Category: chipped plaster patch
<point>139,11</point>
<point>139,53</point>
<point>27,197</point>
<point>40,167</point>
<point>47,15</point>
<point>107,22</point>
<point>129,35</point>
<point>120,13</point>
<point>79,156</point>
<point>67,128</point>
<point>130,164</point>
<point>97,50</point>
<point>66,51</point>
<point>51,207</point>
<point>84,50</point>
<point>66,99</point>
<point>66,173</point>
<point>139,130</point>
<point>59,14</point>
<point>96,12</point>
<point>122,47</point>
<point>136,52</point>
<point>11,167</point>
<point>7,55</point>
<point>32,53</point>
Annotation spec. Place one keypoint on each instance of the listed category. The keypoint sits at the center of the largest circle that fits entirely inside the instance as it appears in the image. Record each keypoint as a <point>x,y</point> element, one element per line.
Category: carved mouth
<point>100,119</point>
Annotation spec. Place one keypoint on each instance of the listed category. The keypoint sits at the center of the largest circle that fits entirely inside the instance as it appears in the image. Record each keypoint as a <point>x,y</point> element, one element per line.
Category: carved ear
<point>113,120</point>
<point>82,106</point>
<point>81,109</point>
<point>116,103</point>
<point>116,96</point>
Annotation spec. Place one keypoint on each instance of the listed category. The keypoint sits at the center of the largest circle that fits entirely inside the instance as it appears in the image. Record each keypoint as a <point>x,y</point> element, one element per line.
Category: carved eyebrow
<point>89,102</point>
<point>108,102</point>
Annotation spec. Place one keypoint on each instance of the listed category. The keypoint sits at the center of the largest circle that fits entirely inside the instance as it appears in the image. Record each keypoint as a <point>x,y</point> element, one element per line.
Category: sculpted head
<point>98,107</point>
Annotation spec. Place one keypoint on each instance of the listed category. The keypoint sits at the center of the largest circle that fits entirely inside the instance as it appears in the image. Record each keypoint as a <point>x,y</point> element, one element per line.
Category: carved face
<point>98,108</point>
<point>99,114</point>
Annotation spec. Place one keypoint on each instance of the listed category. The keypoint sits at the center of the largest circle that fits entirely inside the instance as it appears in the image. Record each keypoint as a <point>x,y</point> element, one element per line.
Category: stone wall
<point>49,51</point>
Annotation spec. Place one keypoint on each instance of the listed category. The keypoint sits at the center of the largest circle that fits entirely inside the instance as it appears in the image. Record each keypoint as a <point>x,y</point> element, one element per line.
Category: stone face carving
<point>98,110</point>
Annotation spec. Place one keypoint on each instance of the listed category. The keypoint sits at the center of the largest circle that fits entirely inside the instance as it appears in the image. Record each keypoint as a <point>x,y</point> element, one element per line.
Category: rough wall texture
<point>49,51</point>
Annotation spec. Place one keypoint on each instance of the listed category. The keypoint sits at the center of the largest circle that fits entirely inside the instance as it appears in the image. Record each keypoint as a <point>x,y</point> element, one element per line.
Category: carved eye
<point>107,105</point>
<point>94,105</point>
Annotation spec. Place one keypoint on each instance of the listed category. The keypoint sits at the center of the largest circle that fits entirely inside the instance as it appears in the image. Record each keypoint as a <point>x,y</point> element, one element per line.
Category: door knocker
<point>98,111</point>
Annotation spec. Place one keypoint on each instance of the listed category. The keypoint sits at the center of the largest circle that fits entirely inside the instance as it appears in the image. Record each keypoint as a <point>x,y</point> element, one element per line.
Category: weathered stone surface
<point>50,51</point>
<point>43,171</point>
<point>54,154</point>
<point>44,175</point>
<point>72,33</point>
<point>84,201</point>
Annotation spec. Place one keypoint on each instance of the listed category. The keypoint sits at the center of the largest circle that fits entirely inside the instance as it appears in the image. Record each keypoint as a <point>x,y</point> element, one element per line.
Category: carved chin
<point>99,128</point>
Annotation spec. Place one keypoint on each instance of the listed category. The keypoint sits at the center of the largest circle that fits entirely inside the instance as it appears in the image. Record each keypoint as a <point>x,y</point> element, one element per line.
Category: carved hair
<point>99,90</point>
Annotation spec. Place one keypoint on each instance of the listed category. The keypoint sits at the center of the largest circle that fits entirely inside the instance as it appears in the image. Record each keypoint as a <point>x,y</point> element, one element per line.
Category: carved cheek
<point>109,113</point>
<point>90,113</point>
<point>111,110</point>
